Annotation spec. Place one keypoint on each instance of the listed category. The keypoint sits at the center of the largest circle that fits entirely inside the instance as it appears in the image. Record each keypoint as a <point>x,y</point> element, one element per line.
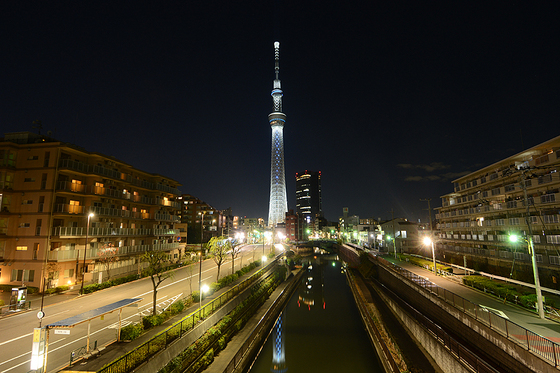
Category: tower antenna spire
<point>278,201</point>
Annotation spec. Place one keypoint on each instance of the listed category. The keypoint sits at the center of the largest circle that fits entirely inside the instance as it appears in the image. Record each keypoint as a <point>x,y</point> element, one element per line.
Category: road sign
<point>61,331</point>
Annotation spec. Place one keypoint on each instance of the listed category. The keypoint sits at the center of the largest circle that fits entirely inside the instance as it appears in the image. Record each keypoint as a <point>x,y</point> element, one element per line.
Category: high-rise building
<point>278,200</point>
<point>308,195</point>
<point>67,213</point>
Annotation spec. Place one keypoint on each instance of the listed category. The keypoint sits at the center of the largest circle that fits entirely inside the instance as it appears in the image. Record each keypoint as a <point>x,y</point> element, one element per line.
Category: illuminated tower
<point>278,201</point>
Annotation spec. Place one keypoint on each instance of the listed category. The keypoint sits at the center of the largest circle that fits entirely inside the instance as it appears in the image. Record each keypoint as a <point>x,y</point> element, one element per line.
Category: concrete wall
<point>485,342</point>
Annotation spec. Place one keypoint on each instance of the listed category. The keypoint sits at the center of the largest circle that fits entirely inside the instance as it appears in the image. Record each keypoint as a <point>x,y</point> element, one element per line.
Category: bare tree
<point>156,269</point>
<point>235,249</point>
<point>107,256</point>
<point>218,247</point>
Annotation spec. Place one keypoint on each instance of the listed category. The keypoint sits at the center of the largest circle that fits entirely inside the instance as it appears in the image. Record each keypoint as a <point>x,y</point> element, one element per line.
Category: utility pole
<point>394,238</point>
<point>540,307</point>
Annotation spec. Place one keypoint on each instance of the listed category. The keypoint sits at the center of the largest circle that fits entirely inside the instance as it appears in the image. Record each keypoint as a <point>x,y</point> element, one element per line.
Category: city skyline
<point>390,101</point>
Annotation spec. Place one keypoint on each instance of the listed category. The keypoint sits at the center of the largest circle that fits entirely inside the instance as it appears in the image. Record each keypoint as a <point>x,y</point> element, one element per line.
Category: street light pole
<point>85,252</point>
<point>540,306</point>
<point>430,241</point>
<point>200,281</point>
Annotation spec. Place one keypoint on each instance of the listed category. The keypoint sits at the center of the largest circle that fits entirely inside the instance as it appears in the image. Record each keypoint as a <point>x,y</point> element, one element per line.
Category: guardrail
<point>542,346</point>
<point>132,359</point>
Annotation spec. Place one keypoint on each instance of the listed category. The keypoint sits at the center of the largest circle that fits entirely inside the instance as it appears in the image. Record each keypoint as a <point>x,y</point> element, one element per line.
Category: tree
<point>156,269</point>
<point>235,247</point>
<point>218,247</point>
<point>108,255</point>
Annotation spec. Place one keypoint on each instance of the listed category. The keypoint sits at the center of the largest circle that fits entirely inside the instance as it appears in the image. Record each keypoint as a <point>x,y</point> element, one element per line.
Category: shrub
<point>1,303</point>
<point>177,307</point>
<point>131,331</point>
<point>60,289</point>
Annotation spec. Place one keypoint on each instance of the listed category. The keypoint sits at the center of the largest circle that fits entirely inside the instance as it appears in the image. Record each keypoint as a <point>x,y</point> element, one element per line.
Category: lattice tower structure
<point>278,199</point>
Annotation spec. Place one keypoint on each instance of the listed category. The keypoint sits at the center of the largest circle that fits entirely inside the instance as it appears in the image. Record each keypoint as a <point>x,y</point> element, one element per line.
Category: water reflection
<point>278,352</point>
<point>313,337</point>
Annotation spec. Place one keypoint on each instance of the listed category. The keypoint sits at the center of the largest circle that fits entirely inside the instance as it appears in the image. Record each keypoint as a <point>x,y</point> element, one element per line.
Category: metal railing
<point>542,346</point>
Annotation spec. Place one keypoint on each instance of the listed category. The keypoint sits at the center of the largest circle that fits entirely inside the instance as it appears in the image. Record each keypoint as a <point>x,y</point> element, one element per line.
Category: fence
<point>144,352</point>
<point>542,346</point>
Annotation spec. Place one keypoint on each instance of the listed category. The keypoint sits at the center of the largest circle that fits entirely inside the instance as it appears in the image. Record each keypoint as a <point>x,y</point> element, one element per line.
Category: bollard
<point>71,357</point>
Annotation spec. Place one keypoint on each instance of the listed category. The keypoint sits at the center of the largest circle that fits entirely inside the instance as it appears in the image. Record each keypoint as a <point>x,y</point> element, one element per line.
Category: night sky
<point>390,100</point>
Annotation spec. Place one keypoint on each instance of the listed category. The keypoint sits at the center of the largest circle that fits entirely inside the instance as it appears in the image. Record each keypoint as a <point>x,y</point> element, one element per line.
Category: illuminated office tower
<point>278,202</point>
<point>308,195</point>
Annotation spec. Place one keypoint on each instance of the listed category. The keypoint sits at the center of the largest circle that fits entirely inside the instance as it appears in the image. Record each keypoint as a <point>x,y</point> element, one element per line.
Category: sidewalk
<point>517,314</point>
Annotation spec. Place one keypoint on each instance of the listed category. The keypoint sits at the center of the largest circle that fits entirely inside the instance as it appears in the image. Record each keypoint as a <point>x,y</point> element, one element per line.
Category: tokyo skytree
<point>278,200</point>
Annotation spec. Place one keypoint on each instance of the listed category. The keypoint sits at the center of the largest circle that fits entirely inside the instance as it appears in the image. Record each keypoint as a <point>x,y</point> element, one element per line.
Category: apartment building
<point>517,195</point>
<point>203,220</point>
<point>59,202</point>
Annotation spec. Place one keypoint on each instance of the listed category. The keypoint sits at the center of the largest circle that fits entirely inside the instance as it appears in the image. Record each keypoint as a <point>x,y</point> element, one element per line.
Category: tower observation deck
<point>278,201</point>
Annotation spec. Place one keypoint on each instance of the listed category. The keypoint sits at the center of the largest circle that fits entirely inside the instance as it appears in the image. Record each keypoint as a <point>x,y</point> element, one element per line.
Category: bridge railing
<point>542,346</point>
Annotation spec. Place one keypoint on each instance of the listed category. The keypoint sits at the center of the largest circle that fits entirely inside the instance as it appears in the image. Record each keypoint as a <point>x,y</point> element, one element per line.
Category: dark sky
<point>390,100</point>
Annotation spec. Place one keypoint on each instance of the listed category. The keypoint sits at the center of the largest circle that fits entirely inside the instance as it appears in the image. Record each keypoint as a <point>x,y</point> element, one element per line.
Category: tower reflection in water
<point>278,352</point>
<point>311,291</point>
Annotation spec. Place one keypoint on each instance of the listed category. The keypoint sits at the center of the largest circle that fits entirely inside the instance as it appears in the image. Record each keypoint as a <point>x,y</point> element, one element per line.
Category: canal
<point>320,329</point>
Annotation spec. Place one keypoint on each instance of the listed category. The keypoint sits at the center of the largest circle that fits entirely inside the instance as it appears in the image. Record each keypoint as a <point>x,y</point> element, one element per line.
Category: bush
<point>131,331</point>
<point>60,289</point>
<point>152,320</point>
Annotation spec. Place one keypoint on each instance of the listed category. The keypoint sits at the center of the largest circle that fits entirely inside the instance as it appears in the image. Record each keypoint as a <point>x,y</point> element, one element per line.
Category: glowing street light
<point>428,241</point>
<point>514,238</point>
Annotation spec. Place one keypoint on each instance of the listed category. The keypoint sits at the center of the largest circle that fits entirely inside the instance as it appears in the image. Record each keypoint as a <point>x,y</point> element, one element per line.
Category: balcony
<point>67,186</point>
<point>71,255</point>
<point>68,209</point>
<point>105,232</point>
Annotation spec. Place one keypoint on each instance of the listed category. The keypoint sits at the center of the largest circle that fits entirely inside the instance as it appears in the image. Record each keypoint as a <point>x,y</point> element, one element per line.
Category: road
<point>16,331</point>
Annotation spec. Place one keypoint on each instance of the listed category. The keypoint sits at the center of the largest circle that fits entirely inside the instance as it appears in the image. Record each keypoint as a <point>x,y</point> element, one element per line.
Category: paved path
<point>521,316</point>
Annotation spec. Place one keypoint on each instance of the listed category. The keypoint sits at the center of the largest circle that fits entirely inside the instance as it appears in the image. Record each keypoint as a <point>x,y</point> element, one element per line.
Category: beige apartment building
<point>487,206</point>
<point>48,189</point>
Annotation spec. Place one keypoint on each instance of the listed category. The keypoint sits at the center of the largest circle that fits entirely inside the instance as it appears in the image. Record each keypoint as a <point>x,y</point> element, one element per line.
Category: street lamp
<point>200,273</point>
<point>202,290</point>
<point>85,252</point>
<point>429,241</point>
<point>531,248</point>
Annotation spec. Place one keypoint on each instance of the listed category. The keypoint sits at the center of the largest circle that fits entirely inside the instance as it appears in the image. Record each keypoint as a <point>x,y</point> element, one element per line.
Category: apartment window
<point>24,225</point>
<point>32,157</point>
<point>41,204</point>
<point>47,158</point>
<point>509,188</point>
<point>554,260</point>
<point>549,219</point>
<point>44,181</point>
<point>35,251</point>
<point>537,239</point>
<point>497,206</point>
<point>511,204</point>
<point>27,202</point>
<point>528,183</point>
<point>482,180</point>
<point>23,275</point>
<point>494,176</point>
<point>38,227</point>
<point>541,160</point>
<point>553,238</point>
<point>21,248</point>
<point>500,222</point>
<point>545,179</point>
<point>519,256</point>
<point>28,180</point>
<point>495,191</point>
<point>485,194</point>
<point>548,198</point>
<point>69,273</point>
<point>538,258</point>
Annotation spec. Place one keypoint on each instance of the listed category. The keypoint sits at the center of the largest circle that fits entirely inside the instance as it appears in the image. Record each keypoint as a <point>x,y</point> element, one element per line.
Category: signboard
<point>61,331</point>
<point>38,348</point>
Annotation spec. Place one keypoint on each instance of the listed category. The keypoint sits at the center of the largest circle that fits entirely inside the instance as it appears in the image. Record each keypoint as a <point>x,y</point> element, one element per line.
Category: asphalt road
<point>16,331</point>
